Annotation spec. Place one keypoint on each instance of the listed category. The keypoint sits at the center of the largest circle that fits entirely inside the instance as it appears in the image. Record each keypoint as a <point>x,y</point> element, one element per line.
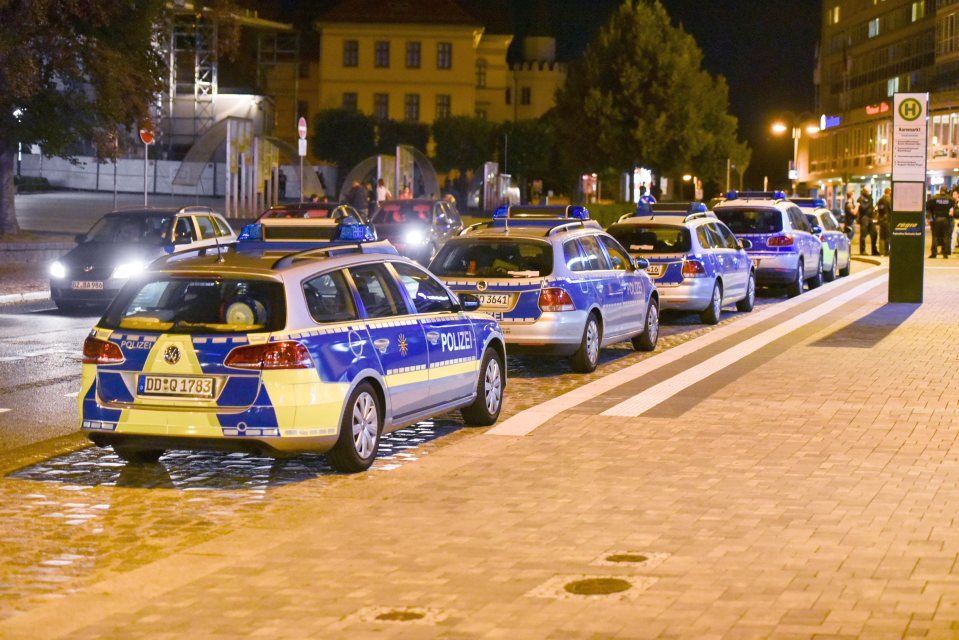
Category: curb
<point>11,298</point>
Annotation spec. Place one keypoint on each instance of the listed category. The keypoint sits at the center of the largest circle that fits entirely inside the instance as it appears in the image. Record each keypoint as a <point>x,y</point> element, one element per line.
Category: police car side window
<point>594,256</point>
<point>206,227</point>
<point>222,228</point>
<point>574,259</point>
<point>378,292</point>
<point>620,261</point>
<point>799,221</point>
<point>329,299</point>
<point>184,231</point>
<point>726,238</point>
<point>705,238</point>
<point>828,222</point>
<point>428,295</point>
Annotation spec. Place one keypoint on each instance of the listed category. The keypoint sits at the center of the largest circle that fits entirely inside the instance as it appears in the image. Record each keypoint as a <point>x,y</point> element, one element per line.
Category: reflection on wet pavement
<point>68,520</point>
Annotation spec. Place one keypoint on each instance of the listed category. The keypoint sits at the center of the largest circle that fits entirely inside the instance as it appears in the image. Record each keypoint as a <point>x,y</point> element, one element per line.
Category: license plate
<point>87,284</point>
<point>756,263</point>
<point>176,386</point>
<point>494,300</point>
<point>655,269</point>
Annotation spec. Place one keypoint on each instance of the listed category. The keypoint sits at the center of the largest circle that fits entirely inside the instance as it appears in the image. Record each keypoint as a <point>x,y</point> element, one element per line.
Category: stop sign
<point>301,128</point>
<point>146,136</point>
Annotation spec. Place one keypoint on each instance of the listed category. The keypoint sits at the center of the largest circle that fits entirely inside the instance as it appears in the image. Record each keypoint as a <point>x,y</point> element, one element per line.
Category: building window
<point>443,106</point>
<point>349,100</point>
<point>918,10</point>
<point>444,55</point>
<point>874,27</point>
<point>411,107</point>
<point>834,15</point>
<point>412,55</point>
<point>481,73</point>
<point>381,106</point>
<point>892,86</point>
<point>509,95</point>
<point>524,96</point>
<point>351,53</point>
<point>381,54</point>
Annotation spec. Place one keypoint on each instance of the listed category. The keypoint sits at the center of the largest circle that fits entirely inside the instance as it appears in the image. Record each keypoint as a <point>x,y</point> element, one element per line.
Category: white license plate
<point>655,269</point>
<point>87,284</point>
<point>756,263</point>
<point>177,386</point>
<point>494,300</point>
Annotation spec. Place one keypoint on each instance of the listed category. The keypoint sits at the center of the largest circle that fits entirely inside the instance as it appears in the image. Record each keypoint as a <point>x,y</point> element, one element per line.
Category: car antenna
<point>219,254</point>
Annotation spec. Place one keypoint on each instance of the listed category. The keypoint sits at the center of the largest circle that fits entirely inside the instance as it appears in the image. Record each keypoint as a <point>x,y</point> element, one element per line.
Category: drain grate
<point>402,615</point>
<point>395,615</point>
<point>633,558</point>
<point>639,559</point>
<point>597,586</point>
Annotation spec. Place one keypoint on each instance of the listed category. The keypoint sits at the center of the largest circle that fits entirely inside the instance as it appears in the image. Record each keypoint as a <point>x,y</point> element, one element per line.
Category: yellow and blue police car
<point>282,345</point>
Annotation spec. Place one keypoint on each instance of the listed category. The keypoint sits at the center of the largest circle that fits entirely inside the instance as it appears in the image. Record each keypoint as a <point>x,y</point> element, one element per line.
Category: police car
<point>557,282</point>
<point>695,260</point>
<point>836,249</point>
<point>267,349</point>
<point>784,250</point>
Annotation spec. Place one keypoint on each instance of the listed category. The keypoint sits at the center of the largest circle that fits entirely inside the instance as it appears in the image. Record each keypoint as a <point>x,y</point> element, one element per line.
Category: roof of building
<point>400,11</point>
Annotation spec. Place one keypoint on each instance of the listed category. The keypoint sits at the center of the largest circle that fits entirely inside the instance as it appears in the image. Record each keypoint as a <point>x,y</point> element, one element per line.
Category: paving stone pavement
<point>812,493</point>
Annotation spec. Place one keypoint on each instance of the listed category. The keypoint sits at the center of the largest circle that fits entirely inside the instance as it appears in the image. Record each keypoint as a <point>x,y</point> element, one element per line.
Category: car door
<point>184,233</point>
<point>809,244</point>
<point>397,336</point>
<point>206,232</point>
<point>606,286</point>
<point>735,263</point>
<point>450,344</point>
<point>633,285</point>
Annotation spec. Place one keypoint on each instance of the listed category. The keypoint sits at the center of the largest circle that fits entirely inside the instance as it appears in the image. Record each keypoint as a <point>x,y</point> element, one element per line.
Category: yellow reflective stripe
<point>459,368</point>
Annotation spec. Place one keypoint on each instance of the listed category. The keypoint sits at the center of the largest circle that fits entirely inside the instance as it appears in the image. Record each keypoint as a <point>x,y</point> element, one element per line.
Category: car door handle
<point>433,336</point>
<point>381,344</point>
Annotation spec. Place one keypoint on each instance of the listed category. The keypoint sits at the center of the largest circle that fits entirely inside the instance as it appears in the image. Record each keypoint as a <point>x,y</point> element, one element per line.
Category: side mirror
<point>469,302</point>
<point>745,243</point>
<point>641,263</point>
<point>80,238</point>
<point>816,229</point>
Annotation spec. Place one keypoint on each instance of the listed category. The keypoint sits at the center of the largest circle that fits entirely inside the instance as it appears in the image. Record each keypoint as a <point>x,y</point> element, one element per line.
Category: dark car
<point>310,210</point>
<point>123,243</point>
<point>417,227</point>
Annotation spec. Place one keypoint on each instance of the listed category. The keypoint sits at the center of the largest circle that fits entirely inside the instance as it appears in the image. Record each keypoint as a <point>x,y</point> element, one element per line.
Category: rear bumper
<point>692,294</point>
<point>553,333</point>
<point>775,268</point>
<point>266,446</point>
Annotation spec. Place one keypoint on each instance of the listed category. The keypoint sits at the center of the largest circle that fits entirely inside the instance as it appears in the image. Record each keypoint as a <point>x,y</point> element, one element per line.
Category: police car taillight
<point>272,355</point>
<point>693,269</point>
<point>780,241</point>
<point>555,299</point>
<point>96,351</point>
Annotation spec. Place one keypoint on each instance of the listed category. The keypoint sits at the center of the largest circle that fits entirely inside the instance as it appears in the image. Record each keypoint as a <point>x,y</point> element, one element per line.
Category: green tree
<point>343,137</point>
<point>72,72</point>
<point>639,95</point>
<point>529,147</point>
<point>392,133</point>
<point>463,142</point>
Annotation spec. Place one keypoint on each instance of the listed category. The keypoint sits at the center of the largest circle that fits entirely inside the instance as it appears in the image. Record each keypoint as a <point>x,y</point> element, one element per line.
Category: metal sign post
<point>301,130</point>
<point>907,223</point>
<point>146,136</point>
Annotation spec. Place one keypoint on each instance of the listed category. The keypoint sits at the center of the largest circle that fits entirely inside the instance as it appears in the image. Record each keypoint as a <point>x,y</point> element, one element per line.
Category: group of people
<point>872,218</point>
<point>940,211</point>
<point>365,197</point>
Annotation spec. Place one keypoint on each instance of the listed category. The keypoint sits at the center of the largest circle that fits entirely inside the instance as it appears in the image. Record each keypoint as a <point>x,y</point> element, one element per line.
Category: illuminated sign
<point>876,109</point>
<point>828,122</point>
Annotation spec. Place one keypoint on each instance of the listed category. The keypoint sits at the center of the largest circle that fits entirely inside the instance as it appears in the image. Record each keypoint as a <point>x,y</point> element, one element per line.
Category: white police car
<point>262,349</point>
<point>694,259</point>
<point>784,250</point>
<point>836,248</point>
<point>557,282</point>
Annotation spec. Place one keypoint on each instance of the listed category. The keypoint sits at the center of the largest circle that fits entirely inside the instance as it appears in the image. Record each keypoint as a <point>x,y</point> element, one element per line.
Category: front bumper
<point>63,291</point>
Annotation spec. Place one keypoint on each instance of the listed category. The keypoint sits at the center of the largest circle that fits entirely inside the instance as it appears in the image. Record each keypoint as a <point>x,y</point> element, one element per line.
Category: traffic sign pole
<point>146,137</point>
<point>301,130</point>
<point>907,222</point>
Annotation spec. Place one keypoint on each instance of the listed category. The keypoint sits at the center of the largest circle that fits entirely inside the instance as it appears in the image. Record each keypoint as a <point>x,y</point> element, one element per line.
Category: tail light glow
<point>785,240</point>
<point>694,269</point>
<point>272,355</point>
<point>555,299</point>
<point>96,351</point>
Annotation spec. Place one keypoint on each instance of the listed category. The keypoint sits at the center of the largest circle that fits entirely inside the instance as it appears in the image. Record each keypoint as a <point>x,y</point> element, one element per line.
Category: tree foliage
<point>343,137</point>
<point>392,133</point>
<point>464,142</point>
<point>639,96</point>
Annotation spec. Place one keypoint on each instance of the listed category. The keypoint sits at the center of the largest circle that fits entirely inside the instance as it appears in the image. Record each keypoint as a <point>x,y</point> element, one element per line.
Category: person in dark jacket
<point>357,196</point>
<point>939,209</point>
<point>867,222</point>
<point>850,212</point>
<point>884,210</point>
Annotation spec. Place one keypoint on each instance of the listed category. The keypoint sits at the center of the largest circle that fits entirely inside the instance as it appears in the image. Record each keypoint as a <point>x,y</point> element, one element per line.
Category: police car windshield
<point>652,238</point>
<point>751,219</point>
<point>131,229</point>
<point>494,258</point>
<point>198,305</point>
<point>401,212</point>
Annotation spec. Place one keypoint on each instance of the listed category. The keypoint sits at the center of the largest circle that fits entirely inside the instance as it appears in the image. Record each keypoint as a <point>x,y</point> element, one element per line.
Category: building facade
<point>869,51</point>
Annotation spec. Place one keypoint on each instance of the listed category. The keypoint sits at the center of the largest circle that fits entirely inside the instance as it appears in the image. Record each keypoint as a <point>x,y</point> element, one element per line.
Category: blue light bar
<point>808,203</point>
<point>347,232</point>
<point>542,212</point>
<point>644,208</point>
<point>768,195</point>
<point>252,232</point>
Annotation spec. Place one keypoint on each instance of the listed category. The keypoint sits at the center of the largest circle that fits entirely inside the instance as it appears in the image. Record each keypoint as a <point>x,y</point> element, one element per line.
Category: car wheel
<point>489,392</point>
<point>710,315</point>
<point>845,270</point>
<point>586,357</point>
<point>137,455</point>
<point>795,288</point>
<point>816,281</point>
<point>747,303</point>
<point>359,438</point>
<point>830,275</point>
<point>646,341</point>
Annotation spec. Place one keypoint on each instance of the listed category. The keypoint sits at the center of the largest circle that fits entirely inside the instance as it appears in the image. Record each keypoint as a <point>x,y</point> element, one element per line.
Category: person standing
<point>382,192</point>
<point>884,211</point>
<point>850,213</point>
<point>939,209</point>
<point>357,197</point>
<point>867,222</point>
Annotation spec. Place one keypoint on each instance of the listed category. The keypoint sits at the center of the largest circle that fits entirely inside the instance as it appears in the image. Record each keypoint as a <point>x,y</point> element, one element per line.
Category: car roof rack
<point>652,209</point>
<point>339,249</point>
<point>757,195</point>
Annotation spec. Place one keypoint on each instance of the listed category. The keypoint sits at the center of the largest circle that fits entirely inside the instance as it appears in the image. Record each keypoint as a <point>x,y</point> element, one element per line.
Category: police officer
<point>939,210</point>
<point>867,222</point>
<point>884,209</point>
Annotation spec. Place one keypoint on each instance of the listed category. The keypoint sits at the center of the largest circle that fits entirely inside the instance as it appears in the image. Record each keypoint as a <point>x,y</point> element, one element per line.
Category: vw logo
<point>481,285</point>
<point>172,354</point>
<point>88,269</point>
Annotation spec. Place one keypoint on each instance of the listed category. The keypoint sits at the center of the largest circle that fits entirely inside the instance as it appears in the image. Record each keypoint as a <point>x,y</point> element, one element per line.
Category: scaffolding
<point>192,63</point>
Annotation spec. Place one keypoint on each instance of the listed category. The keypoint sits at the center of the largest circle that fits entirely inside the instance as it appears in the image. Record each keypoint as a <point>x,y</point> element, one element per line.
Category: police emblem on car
<point>172,354</point>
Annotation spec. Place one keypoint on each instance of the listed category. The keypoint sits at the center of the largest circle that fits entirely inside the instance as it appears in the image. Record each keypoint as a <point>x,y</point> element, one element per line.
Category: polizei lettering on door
<point>459,341</point>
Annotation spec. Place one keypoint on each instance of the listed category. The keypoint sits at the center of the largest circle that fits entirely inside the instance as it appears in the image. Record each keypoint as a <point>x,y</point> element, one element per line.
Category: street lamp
<point>797,126</point>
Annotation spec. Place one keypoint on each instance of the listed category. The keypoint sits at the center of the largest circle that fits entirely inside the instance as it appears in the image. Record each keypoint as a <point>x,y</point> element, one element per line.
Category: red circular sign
<point>146,136</point>
<point>301,128</point>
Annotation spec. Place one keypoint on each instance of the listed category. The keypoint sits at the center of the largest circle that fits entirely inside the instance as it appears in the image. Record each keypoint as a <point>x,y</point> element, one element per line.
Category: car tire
<point>646,341</point>
<point>587,356</point>
<point>137,455</point>
<point>830,275</point>
<point>489,392</point>
<point>360,430</point>
<point>795,288</point>
<point>848,268</point>
<point>747,303</point>
<point>712,313</point>
<point>816,281</point>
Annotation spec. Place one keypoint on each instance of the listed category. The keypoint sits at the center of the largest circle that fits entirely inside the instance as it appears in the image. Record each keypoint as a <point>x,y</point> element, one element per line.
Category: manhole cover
<point>627,557</point>
<point>400,616</point>
<point>597,586</point>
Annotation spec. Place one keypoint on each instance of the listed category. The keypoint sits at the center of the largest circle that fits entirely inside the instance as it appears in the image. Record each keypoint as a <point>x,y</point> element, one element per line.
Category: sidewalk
<point>806,489</point>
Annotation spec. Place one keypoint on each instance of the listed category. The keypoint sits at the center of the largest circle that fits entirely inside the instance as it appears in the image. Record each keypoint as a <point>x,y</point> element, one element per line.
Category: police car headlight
<point>57,270</point>
<point>128,269</point>
<point>415,237</point>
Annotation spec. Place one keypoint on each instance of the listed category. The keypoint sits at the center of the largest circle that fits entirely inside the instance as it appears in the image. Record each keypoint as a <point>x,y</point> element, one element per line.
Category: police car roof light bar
<point>652,208</point>
<point>767,195</point>
<point>567,212</point>
<point>335,250</point>
<point>819,203</point>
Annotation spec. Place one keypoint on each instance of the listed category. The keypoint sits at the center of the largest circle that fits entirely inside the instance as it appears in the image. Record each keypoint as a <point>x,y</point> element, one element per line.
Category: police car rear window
<point>198,305</point>
<point>493,258</point>
<point>652,238</point>
<point>751,219</point>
